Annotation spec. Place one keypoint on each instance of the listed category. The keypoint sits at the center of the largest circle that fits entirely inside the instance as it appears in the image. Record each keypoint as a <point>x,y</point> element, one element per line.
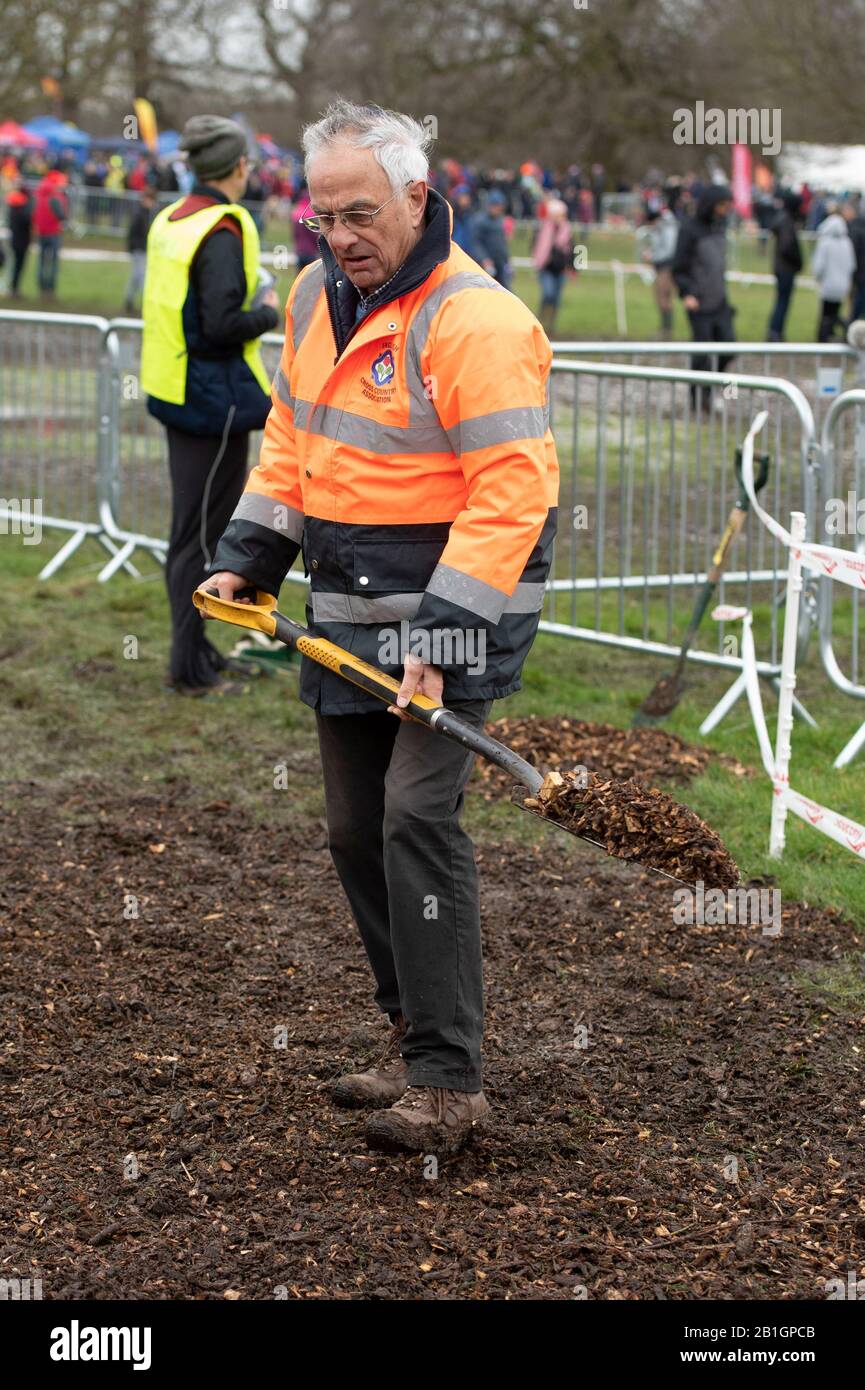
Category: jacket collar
<point>342,297</point>
<point>206,190</point>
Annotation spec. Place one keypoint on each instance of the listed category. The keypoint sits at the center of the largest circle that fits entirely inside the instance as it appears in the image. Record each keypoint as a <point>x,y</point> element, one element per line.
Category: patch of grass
<point>840,985</point>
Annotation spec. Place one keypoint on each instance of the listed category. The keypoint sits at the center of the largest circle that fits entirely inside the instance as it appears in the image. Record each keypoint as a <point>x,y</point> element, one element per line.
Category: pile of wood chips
<point>645,753</point>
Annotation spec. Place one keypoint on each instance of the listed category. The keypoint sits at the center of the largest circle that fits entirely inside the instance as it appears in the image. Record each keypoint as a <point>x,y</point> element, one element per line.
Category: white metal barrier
<point>838,565</point>
<point>648,481</point>
<point>820,370</point>
<point>841,512</point>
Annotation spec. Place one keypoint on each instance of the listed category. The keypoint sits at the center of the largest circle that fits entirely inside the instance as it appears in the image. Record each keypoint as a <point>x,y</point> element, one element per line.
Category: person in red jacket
<point>50,216</point>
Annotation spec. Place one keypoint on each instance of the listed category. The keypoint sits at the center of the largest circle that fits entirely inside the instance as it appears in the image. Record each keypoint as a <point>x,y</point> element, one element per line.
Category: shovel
<point>666,693</point>
<point>261,615</point>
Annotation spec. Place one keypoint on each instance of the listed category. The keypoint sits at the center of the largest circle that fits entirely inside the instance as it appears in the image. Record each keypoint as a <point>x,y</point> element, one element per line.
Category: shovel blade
<point>517,795</point>
<point>661,700</point>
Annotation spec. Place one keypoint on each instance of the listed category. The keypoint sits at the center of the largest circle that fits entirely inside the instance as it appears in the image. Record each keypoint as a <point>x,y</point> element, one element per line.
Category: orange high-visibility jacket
<point>409,455</point>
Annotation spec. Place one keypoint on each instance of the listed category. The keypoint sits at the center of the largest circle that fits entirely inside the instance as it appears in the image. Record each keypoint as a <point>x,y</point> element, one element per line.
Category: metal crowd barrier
<point>55,449</point>
<point>647,458</point>
<point>841,522</point>
<point>653,469</point>
<point>822,371</point>
<point>59,438</point>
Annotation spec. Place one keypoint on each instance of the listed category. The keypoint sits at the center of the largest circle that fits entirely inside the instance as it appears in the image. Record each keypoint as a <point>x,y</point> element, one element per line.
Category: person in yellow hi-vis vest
<point>202,370</point>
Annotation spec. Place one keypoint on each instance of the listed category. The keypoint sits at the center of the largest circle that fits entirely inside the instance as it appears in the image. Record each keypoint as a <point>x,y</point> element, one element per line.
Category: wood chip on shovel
<point>638,824</point>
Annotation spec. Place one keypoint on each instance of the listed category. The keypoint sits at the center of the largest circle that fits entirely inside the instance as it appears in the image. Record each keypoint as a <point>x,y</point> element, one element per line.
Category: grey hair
<point>399,143</point>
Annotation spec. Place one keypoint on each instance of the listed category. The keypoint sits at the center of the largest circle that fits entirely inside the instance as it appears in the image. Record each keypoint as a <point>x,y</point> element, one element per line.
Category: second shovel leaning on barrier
<point>666,693</point>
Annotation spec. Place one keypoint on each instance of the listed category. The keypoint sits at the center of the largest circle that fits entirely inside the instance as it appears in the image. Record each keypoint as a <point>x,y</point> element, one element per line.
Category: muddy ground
<point>706,1142</point>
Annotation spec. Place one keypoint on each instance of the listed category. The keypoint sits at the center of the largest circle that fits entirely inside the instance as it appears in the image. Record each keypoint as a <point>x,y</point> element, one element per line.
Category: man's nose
<point>342,238</point>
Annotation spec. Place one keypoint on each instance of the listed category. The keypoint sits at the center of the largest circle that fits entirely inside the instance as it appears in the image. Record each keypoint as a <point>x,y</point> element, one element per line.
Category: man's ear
<point>417,200</point>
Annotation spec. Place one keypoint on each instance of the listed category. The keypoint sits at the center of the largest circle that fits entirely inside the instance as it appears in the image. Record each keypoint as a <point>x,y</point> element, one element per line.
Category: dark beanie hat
<point>213,144</point>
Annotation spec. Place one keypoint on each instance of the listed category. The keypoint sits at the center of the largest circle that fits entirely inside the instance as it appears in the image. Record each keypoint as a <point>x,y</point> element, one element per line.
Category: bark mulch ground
<point>675,1116</point>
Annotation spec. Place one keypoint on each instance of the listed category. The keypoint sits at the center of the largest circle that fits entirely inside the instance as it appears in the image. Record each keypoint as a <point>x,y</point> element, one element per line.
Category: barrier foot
<point>849,751</point>
<point>775,682</point>
<point>724,705</point>
<point>63,554</point>
<point>119,558</point>
<point>729,698</point>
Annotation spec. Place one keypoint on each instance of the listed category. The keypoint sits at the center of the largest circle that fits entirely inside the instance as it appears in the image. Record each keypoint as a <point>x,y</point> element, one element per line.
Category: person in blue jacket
<point>491,246</point>
<point>462,231</point>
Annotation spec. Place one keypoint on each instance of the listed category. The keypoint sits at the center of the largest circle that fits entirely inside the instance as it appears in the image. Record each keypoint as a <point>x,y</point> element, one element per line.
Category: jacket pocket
<point>400,567</point>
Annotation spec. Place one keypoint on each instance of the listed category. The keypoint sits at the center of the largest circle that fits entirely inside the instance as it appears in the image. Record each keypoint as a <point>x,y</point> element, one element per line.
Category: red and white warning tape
<point>843,565</point>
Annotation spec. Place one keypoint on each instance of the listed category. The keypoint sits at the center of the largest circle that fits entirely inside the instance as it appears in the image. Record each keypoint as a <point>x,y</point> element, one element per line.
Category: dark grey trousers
<point>394,793</point>
<point>203,498</point>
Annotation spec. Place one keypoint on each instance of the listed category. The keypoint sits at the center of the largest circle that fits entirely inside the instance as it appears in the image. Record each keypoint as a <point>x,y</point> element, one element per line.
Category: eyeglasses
<point>324,222</point>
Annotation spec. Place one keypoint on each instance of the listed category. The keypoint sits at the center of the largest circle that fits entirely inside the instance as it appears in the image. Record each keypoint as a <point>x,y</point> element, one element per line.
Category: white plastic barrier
<point>842,565</point>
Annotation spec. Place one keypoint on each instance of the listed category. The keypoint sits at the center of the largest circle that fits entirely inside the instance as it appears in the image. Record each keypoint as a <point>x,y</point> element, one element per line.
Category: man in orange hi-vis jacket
<point>408,455</point>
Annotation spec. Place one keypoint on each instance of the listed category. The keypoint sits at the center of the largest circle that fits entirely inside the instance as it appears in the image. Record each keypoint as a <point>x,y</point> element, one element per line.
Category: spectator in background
<point>137,177</point>
<point>553,257</point>
<point>305,241</point>
<point>462,231</point>
<point>818,210</point>
<point>50,215</point>
<point>490,240</point>
<point>168,180</point>
<point>9,174</point>
<point>202,371</point>
<point>788,261</point>
<point>571,191</point>
<point>700,273</point>
<point>528,190</point>
<point>136,245</point>
<point>599,179</point>
<point>115,184</point>
<point>255,198</point>
<point>673,195</point>
<point>765,213</point>
<point>19,212</point>
<point>856,231</point>
<point>661,230</point>
<point>586,205</point>
<point>92,178</point>
<point>832,266</point>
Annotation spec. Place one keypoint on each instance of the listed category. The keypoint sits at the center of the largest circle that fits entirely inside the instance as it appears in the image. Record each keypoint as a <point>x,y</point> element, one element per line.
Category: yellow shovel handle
<point>262,616</point>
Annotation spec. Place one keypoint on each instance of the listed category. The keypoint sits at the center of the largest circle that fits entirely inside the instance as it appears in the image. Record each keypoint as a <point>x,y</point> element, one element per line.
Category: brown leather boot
<point>428,1119</point>
<point>382,1083</point>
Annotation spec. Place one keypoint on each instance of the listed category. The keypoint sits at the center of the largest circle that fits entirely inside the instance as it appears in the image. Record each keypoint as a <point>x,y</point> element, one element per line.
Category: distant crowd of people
<point>684,236</point>
<point>681,231</point>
